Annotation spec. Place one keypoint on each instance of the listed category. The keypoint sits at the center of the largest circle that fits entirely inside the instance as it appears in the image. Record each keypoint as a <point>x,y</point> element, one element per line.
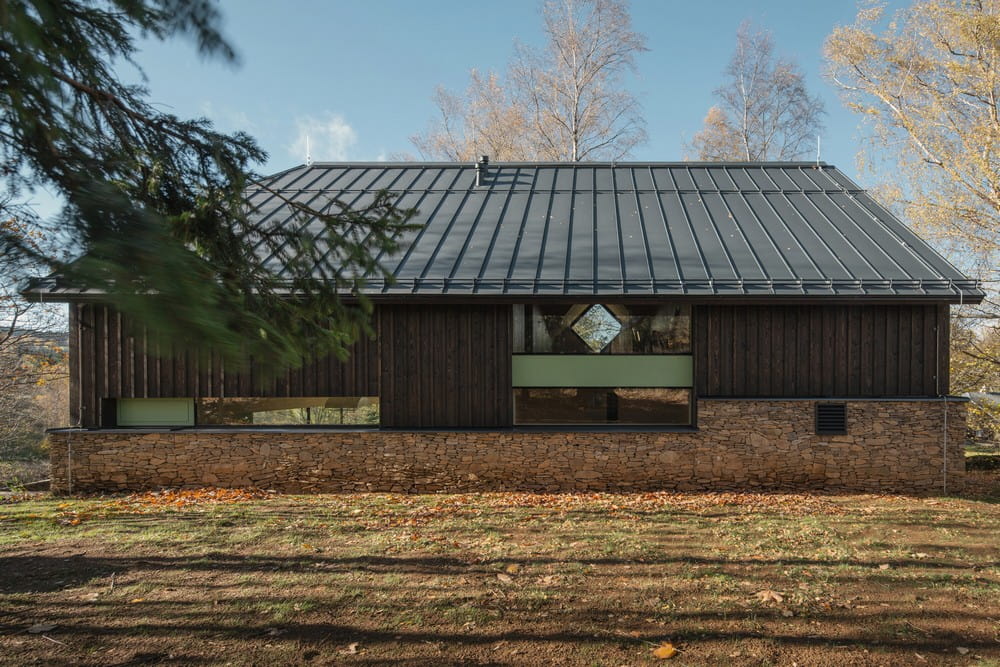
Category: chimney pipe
<point>481,169</point>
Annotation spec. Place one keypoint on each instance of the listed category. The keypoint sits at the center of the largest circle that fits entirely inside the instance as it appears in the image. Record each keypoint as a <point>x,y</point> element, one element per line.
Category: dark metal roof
<point>636,229</point>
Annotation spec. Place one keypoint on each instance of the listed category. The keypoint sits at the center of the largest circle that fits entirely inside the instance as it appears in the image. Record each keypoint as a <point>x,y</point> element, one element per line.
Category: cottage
<point>567,327</point>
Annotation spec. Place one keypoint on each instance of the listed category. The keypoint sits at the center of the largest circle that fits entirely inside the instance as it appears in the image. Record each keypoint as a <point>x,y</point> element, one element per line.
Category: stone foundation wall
<point>739,444</point>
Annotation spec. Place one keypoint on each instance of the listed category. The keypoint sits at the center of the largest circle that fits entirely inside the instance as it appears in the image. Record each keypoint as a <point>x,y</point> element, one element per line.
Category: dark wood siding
<point>819,350</point>
<point>445,366</point>
<point>109,358</point>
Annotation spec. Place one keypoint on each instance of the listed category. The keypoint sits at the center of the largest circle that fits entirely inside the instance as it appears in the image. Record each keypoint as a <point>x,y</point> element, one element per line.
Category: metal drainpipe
<point>69,463</point>
<point>944,465</point>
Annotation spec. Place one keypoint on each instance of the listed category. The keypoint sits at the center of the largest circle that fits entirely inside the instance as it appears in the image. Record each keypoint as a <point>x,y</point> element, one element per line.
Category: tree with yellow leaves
<point>927,84</point>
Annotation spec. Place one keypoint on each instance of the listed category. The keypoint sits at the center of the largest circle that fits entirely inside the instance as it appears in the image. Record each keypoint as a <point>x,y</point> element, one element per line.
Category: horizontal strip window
<point>238,411</point>
<point>175,412</point>
<point>542,370</point>
<point>637,406</point>
<point>602,328</point>
<point>319,410</point>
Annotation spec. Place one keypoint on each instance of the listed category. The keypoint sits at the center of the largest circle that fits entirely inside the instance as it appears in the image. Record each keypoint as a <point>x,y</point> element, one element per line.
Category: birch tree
<point>565,102</point>
<point>764,110</point>
<point>927,86</point>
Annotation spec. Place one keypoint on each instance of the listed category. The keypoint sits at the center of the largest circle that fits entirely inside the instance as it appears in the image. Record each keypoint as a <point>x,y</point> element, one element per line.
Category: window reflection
<point>237,411</point>
<point>602,405</point>
<point>602,329</point>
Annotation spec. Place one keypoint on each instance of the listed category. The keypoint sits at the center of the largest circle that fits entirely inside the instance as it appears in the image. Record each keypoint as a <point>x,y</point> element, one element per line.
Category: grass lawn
<point>512,579</point>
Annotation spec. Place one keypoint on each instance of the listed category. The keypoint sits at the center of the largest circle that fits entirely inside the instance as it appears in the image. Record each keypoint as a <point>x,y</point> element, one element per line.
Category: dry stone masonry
<point>739,444</point>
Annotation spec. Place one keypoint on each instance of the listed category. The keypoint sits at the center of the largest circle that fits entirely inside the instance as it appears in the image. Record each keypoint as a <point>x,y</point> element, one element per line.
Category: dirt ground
<point>250,578</point>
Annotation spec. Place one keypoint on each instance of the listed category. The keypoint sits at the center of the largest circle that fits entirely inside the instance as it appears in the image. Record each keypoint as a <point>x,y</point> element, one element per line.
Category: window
<point>602,405</point>
<point>602,364</point>
<point>602,329</point>
<point>363,410</point>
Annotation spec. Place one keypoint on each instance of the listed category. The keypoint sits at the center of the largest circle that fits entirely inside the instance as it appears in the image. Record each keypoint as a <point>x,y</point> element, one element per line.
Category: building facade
<point>565,327</point>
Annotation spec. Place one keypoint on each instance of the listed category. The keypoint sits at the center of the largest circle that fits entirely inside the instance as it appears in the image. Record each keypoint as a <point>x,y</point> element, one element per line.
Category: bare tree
<point>566,102</point>
<point>483,121</point>
<point>33,359</point>
<point>927,84</point>
<point>764,110</point>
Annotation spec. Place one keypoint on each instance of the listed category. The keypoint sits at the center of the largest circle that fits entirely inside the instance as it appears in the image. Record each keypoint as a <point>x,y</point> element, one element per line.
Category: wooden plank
<point>842,343</point>
<point>777,385</point>
<point>803,358</point>
<point>75,376</point>
<point>929,326</point>
<point>113,347</point>
<point>101,356</point>
<point>726,348</point>
<point>88,360</point>
<point>904,329</point>
<point>944,347</point>
<point>878,343</point>
<point>127,358</point>
<point>856,369</point>
<point>739,351</point>
<point>917,380</point>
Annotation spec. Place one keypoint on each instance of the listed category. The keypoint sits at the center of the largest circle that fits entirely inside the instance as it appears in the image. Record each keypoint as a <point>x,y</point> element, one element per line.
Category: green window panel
<point>156,412</point>
<point>562,370</point>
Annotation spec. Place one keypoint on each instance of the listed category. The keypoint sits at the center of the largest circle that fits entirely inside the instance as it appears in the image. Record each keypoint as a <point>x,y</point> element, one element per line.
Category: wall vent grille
<point>831,418</point>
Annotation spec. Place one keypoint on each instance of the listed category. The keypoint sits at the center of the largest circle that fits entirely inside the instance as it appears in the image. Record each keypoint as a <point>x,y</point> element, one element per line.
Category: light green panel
<point>156,412</point>
<point>606,370</point>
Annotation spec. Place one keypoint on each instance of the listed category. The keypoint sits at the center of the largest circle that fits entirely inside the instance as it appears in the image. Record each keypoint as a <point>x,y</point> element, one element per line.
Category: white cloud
<point>330,138</point>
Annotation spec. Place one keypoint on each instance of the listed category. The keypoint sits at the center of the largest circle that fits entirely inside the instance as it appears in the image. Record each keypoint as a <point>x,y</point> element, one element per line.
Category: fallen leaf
<point>505,578</point>
<point>635,633</point>
<point>962,650</point>
<point>665,651</point>
<point>135,600</point>
<point>549,579</point>
<point>787,613</point>
<point>921,554</point>
<point>513,568</point>
<point>352,649</point>
<point>767,595</point>
<point>42,627</point>
<point>884,566</point>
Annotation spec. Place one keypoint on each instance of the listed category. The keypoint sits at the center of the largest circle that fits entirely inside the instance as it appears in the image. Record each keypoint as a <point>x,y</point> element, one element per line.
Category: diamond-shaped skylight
<point>597,327</point>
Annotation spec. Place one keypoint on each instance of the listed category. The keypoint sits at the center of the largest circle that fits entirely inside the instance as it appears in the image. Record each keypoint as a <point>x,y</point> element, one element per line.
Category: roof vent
<point>481,169</point>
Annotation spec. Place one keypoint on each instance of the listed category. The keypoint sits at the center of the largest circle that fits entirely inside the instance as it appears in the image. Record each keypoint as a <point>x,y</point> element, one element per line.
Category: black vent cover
<point>831,418</point>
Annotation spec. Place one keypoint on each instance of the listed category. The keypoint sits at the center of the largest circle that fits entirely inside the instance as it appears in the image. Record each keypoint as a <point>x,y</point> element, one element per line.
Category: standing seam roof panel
<point>628,228</point>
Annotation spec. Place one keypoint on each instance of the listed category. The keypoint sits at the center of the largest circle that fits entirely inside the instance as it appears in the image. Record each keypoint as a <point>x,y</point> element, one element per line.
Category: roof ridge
<point>544,163</point>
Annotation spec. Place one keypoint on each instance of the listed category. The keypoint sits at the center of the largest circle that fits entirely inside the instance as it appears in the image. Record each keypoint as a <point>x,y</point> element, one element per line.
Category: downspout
<point>69,463</point>
<point>944,465</point>
<point>944,402</point>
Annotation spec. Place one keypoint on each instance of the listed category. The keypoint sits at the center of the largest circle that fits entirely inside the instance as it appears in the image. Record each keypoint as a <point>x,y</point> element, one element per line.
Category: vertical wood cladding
<point>818,350</point>
<point>110,358</point>
<point>446,366</point>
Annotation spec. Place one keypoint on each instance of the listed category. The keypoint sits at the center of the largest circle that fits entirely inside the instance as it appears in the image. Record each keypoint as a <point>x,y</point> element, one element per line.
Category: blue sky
<point>358,76</point>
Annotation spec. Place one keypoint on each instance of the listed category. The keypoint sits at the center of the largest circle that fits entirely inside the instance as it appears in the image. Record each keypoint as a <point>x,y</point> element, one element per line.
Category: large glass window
<point>357,410</point>
<point>602,405</point>
<point>565,371</point>
<point>602,329</point>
